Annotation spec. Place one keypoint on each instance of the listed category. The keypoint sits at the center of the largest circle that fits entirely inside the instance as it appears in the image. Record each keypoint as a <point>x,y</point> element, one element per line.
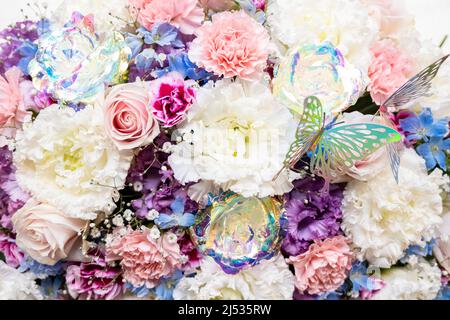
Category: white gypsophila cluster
<point>345,23</point>
<point>421,281</point>
<point>66,159</point>
<point>236,135</point>
<point>15,285</point>
<point>270,280</point>
<point>108,14</point>
<point>383,218</point>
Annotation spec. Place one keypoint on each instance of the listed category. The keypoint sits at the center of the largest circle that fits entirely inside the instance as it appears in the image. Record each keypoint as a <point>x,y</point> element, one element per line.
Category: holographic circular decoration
<point>74,65</point>
<point>240,232</point>
<point>321,71</point>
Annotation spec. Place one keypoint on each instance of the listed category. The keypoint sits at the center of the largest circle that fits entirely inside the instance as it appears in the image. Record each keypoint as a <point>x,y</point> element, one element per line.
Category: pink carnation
<point>389,70</point>
<point>187,15</point>
<point>232,44</point>
<point>171,99</point>
<point>13,111</point>
<point>324,267</point>
<point>145,260</point>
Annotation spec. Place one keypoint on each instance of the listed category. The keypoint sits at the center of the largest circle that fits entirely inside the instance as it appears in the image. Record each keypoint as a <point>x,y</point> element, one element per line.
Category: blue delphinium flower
<point>139,292</point>
<point>182,64</point>
<point>147,60</point>
<point>164,291</point>
<point>362,281</point>
<point>27,52</point>
<point>41,271</point>
<point>424,127</point>
<point>51,287</point>
<point>434,152</point>
<point>162,34</point>
<point>178,218</point>
<point>444,294</point>
<point>420,251</point>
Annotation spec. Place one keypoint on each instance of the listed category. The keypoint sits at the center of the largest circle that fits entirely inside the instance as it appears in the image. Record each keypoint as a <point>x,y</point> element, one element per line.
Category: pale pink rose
<point>232,44</point>
<point>45,233</point>
<point>128,118</point>
<point>13,111</point>
<point>187,15</point>
<point>324,267</point>
<point>172,97</point>
<point>389,70</point>
<point>218,5</point>
<point>145,260</point>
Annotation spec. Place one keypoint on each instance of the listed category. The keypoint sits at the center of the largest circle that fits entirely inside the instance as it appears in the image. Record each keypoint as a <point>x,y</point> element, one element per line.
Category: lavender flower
<point>311,215</point>
<point>14,37</point>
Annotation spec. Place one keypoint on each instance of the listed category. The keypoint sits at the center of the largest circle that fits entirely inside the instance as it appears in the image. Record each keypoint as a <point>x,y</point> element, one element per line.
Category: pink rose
<point>171,98</point>
<point>128,118</point>
<point>324,267</point>
<point>145,260</point>
<point>13,111</point>
<point>186,15</point>
<point>232,44</point>
<point>389,70</point>
<point>218,5</point>
<point>45,233</point>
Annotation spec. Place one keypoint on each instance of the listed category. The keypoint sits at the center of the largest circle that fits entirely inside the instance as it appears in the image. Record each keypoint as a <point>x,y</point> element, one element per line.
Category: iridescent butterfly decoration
<point>335,146</point>
<point>417,87</point>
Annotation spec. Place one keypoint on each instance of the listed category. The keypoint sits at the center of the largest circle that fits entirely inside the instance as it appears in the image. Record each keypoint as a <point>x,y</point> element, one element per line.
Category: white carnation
<point>65,158</point>
<point>345,23</point>
<point>420,281</point>
<point>108,14</point>
<point>17,286</point>
<point>270,280</point>
<point>383,218</point>
<point>236,135</point>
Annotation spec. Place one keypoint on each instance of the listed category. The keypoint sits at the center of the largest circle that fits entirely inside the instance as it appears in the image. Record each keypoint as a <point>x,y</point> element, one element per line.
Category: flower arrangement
<point>162,149</point>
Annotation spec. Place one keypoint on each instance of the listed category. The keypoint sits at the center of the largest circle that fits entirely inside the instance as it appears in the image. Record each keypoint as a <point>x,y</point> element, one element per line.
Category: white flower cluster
<point>345,23</point>
<point>383,218</point>
<point>237,135</point>
<point>15,285</point>
<point>270,280</point>
<point>66,159</point>
<point>420,281</point>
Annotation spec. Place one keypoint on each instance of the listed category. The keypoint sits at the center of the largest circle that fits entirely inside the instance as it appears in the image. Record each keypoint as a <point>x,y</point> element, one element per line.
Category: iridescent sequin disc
<point>321,71</point>
<point>240,232</point>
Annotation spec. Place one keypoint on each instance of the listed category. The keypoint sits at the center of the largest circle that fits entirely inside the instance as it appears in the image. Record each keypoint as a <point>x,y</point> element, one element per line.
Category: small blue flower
<point>27,51</point>
<point>434,152</point>
<point>423,127</point>
<point>51,287</point>
<point>180,63</point>
<point>420,251</point>
<point>162,34</point>
<point>361,279</point>
<point>444,294</point>
<point>140,292</point>
<point>42,271</point>
<point>147,59</point>
<point>178,218</point>
<point>164,291</point>
<point>135,43</point>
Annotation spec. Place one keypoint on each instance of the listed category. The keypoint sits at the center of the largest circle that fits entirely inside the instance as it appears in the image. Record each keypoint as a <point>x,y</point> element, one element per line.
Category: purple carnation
<point>14,37</point>
<point>311,215</point>
<point>94,280</point>
<point>13,255</point>
<point>157,185</point>
<point>12,198</point>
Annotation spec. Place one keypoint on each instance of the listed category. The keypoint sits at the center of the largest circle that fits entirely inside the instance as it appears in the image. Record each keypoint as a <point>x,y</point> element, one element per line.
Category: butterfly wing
<point>307,132</point>
<point>340,147</point>
<point>419,86</point>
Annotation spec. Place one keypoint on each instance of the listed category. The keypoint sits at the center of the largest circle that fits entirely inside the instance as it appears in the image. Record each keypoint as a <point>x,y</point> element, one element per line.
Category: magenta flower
<point>94,280</point>
<point>13,255</point>
<point>171,98</point>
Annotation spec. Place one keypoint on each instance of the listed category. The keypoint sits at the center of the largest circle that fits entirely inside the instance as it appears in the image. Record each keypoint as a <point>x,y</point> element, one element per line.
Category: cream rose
<point>44,232</point>
<point>128,119</point>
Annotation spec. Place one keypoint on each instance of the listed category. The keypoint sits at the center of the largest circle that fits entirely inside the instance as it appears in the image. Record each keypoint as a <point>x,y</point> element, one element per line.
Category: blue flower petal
<point>411,125</point>
<point>426,118</point>
<point>425,151</point>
